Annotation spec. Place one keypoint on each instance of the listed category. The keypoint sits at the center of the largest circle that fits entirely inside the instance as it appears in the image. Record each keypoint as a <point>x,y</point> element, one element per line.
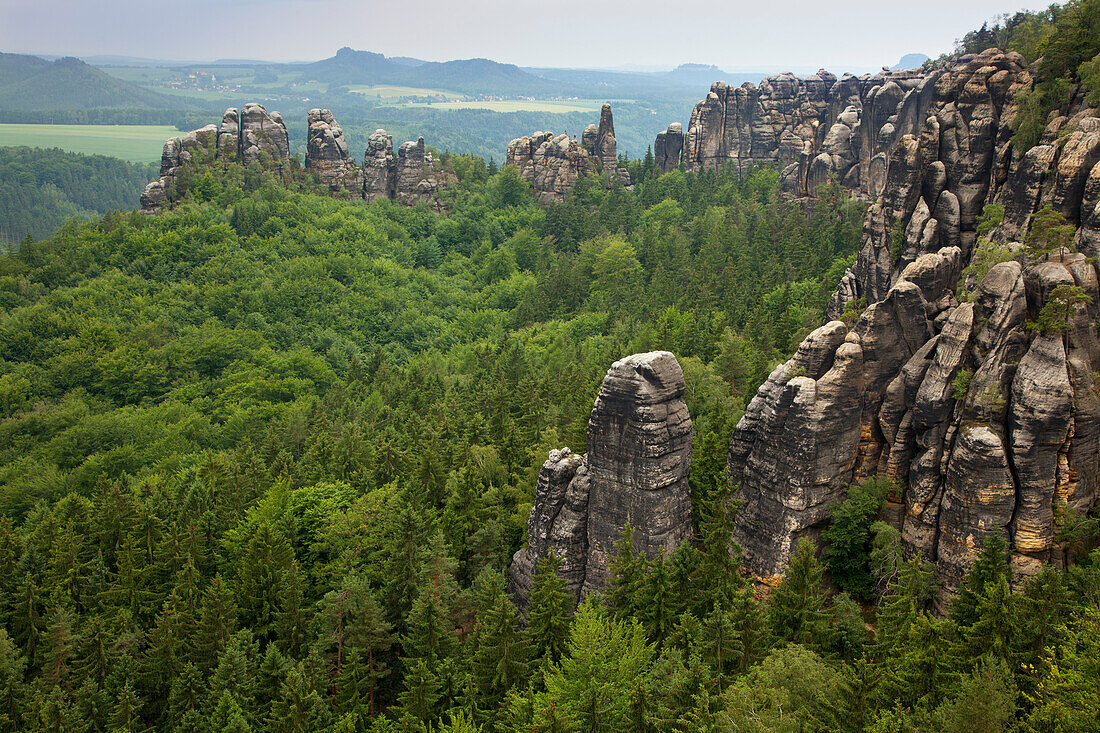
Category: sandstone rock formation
<point>327,154</point>
<point>262,132</point>
<point>668,148</point>
<point>378,167</point>
<point>230,142</point>
<point>984,425</point>
<point>552,164</point>
<point>635,471</point>
<point>410,177</point>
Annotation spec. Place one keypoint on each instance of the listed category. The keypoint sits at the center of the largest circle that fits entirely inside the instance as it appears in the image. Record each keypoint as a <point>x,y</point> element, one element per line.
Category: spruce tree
<point>991,564</point>
<point>549,611</point>
<point>795,609</point>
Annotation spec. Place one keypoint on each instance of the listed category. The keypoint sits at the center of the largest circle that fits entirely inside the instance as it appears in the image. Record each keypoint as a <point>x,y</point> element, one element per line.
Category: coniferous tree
<point>991,564</point>
<point>549,611</point>
<point>795,609</point>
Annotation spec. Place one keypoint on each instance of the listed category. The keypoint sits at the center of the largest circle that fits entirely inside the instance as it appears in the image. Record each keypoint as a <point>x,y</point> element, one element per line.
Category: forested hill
<point>40,189</point>
<point>30,83</point>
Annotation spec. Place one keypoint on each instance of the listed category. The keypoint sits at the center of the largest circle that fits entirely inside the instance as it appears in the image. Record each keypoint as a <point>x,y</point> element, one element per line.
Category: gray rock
<point>327,155</point>
<point>635,471</point>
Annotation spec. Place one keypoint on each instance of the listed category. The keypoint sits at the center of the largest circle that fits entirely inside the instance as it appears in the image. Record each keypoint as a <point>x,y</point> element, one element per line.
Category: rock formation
<point>668,148</point>
<point>410,177</point>
<point>984,424</point>
<point>378,167</point>
<point>240,137</point>
<point>327,154</point>
<point>635,471</point>
<point>552,164</point>
<point>415,177</point>
<point>262,132</point>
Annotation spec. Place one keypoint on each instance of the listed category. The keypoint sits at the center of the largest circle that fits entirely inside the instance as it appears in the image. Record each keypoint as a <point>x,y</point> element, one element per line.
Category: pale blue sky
<point>795,33</point>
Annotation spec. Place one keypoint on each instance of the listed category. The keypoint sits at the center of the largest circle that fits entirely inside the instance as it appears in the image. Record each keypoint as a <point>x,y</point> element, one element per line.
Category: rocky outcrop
<point>254,135</point>
<point>378,167</point>
<point>552,164</point>
<point>821,125</point>
<point>668,148</point>
<point>416,178</point>
<point>984,424</point>
<point>327,154</point>
<point>263,132</point>
<point>227,143</point>
<point>635,472</point>
<point>197,146</point>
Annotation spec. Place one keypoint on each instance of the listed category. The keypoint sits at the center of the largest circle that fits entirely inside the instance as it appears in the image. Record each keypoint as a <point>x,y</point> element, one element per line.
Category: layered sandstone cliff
<point>635,472</point>
<point>985,421</point>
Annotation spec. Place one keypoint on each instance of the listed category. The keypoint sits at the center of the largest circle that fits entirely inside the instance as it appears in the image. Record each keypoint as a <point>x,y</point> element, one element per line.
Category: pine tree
<point>795,609</point>
<point>298,708</point>
<point>499,659</point>
<point>126,713</point>
<point>59,644</point>
<point>217,622</point>
<point>548,612</point>
<point>627,576</point>
<point>421,696</point>
<point>27,619</point>
<point>992,563</point>
<point>12,669</point>
<point>848,706</point>
<point>659,605</point>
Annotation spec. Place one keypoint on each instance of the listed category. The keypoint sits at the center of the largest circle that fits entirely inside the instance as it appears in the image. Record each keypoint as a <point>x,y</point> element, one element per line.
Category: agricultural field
<point>135,143</point>
<point>391,93</point>
<point>519,105</point>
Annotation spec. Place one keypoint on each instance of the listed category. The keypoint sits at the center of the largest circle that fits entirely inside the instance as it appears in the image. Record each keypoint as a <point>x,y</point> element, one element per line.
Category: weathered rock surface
<point>550,164</point>
<point>378,167</point>
<point>635,472</point>
<point>410,177</point>
<point>553,163</point>
<point>327,154</point>
<point>263,132</point>
<point>668,148</point>
<point>984,424</point>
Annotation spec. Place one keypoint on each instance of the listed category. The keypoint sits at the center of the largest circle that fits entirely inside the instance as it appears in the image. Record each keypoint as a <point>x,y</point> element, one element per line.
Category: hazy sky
<point>738,34</point>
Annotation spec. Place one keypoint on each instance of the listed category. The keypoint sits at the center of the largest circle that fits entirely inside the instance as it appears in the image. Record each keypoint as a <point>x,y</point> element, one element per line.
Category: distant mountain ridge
<point>32,83</point>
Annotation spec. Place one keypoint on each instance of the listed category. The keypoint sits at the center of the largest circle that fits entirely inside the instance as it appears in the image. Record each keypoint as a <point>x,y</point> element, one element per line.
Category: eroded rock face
<point>550,164</point>
<point>984,424</point>
<point>553,163</point>
<point>668,148</point>
<point>635,471</point>
<point>410,177</point>
<point>262,132</point>
<point>327,154</point>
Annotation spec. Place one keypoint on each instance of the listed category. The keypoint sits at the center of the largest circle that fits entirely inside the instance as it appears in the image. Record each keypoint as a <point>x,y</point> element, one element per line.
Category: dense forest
<point>40,189</point>
<point>265,458</point>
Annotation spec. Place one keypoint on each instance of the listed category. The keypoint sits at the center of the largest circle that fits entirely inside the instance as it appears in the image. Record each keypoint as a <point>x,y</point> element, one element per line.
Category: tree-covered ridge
<point>40,189</point>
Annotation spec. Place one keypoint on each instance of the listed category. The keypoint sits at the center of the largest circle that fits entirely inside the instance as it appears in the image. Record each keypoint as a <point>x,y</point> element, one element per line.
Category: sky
<point>795,34</point>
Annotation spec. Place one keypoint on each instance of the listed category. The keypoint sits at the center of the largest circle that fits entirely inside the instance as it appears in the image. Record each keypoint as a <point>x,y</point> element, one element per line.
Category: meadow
<point>519,105</point>
<point>135,143</point>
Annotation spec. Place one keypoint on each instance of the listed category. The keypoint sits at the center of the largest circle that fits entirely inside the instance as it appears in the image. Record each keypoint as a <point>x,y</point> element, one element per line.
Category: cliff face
<point>552,164</point>
<point>410,177</point>
<point>635,471</point>
<point>984,423</point>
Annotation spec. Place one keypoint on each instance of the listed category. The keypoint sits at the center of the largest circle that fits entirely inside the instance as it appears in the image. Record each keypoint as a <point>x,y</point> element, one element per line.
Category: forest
<point>41,188</point>
<point>265,458</point>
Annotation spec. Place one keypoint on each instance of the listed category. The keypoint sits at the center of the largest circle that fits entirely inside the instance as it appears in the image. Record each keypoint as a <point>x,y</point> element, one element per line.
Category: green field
<point>389,92</point>
<point>521,105</point>
<point>135,143</point>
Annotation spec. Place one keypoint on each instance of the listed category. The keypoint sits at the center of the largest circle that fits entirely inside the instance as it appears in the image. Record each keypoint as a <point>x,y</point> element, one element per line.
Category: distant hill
<point>467,76</point>
<point>911,61</point>
<point>31,83</point>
